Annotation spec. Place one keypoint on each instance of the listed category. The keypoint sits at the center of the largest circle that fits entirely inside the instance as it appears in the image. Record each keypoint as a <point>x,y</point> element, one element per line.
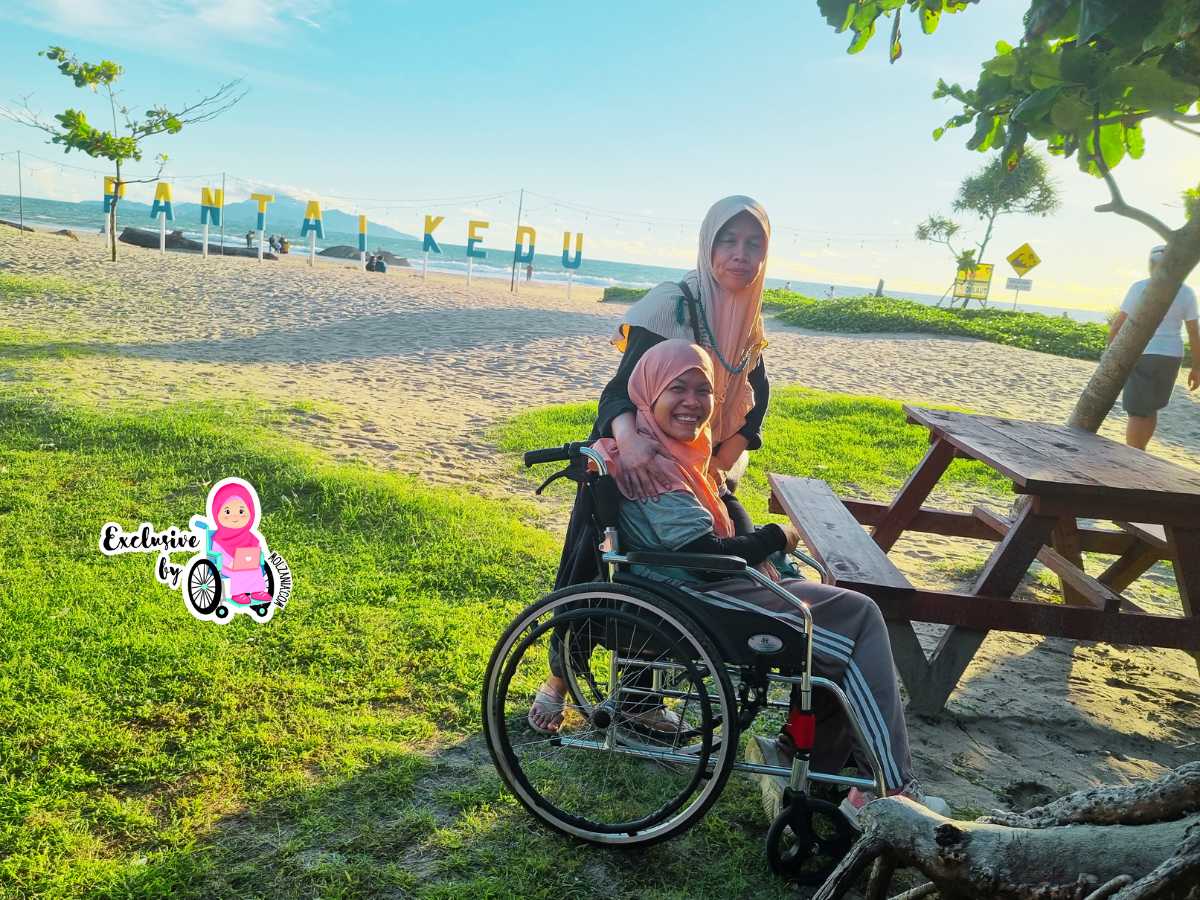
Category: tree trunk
<point>1137,841</point>
<point>1098,397</point>
<point>112,211</point>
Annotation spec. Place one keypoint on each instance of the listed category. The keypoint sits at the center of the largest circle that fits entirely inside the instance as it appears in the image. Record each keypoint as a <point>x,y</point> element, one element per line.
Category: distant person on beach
<point>285,245</point>
<point>1153,378</point>
<point>717,305</point>
<point>249,240</point>
<point>829,293</point>
<point>274,245</point>
<point>529,272</point>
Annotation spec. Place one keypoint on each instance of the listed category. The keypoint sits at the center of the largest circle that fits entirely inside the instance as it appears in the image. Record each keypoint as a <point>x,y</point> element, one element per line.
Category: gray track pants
<point>851,648</point>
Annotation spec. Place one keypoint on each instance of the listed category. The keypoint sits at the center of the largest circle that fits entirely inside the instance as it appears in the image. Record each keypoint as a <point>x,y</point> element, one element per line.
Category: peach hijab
<point>653,374</point>
<point>735,318</point>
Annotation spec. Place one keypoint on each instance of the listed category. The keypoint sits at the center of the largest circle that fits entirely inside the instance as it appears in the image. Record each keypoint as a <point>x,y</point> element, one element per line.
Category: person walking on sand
<point>529,273</point>
<point>1153,378</point>
<point>249,240</point>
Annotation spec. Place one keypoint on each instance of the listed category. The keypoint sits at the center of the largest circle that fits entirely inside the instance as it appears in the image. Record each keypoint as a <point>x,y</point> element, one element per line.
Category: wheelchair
<point>628,645</point>
<point>207,590</point>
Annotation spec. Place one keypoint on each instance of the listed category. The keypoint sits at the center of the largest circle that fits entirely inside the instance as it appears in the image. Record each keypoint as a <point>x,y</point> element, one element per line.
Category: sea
<point>51,215</point>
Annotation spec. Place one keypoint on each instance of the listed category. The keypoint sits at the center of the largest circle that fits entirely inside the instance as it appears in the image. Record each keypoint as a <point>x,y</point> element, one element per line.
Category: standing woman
<point>718,305</point>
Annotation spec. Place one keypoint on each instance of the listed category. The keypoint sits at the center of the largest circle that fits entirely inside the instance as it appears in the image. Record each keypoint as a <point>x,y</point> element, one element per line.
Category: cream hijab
<point>735,318</point>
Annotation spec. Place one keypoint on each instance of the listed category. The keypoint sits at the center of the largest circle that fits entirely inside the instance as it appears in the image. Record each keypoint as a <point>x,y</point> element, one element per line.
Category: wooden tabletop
<point>1055,460</point>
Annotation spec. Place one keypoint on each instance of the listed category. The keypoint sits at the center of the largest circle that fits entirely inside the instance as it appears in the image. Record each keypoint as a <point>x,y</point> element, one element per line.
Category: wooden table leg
<point>1130,566</point>
<point>1065,539</point>
<point>908,502</point>
<point>1000,577</point>
<point>1184,544</point>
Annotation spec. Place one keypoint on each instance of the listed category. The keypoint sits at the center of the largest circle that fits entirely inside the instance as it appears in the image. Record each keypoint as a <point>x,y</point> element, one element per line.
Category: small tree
<point>72,130</point>
<point>1085,76</point>
<point>994,191</point>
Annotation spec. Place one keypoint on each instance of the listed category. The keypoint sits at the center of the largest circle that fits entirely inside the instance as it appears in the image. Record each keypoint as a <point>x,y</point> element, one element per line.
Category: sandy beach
<point>410,375</point>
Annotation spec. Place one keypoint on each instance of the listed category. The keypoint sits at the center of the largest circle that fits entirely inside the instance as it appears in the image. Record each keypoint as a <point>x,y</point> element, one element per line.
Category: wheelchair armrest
<point>703,561</point>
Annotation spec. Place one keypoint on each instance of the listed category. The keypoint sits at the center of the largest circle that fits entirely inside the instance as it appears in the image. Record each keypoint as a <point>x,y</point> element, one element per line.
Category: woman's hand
<point>792,535</point>
<point>641,474</point>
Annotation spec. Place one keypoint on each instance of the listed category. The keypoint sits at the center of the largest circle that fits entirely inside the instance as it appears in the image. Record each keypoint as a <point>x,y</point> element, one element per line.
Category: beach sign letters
<point>162,202</point>
<point>312,220</point>
<point>110,194</point>
<point>1023,259</point>
<point>212,202</point>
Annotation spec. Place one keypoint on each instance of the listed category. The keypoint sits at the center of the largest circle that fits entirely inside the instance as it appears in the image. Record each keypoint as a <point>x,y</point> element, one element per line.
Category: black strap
<point>693,313</point>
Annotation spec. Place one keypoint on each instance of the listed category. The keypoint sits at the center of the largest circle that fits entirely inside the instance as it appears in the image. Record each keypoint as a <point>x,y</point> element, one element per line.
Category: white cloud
<point>158,22</point>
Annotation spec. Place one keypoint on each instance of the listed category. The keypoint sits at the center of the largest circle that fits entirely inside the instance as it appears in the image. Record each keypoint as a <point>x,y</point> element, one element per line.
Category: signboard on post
<point>973,283</point>
<point>1023,259</point>
<point>1016,285</point>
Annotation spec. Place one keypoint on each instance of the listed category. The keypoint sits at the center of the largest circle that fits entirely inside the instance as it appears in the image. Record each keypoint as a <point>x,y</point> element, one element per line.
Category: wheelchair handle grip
<point>568,451</point>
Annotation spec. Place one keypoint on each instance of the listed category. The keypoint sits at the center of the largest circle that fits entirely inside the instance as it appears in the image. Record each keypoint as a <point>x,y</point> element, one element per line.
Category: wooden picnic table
<point>1068,475</point>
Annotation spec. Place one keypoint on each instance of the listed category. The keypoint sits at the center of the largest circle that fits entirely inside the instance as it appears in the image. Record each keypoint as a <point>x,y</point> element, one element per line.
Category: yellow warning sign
<point>973,283</point>
<point>1023,259</point>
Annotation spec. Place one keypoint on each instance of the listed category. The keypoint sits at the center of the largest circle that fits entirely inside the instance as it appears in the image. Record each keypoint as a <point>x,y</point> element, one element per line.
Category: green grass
<point>333,751</point>
<point>14,286</point>
<point>622,295</point>
<point>1031,331</point>
<point>860,445</point>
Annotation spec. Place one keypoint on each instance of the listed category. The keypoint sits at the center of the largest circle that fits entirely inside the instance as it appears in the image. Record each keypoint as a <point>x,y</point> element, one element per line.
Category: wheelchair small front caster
<point>808,839</point>
<point>222,611</point>
<point>261,609</point>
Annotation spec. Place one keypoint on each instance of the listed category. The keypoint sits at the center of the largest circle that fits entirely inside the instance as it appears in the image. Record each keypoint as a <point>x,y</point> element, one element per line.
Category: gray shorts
<point>1150,384</point>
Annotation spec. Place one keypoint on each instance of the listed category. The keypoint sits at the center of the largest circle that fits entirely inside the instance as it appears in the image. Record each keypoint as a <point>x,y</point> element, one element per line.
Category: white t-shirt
<point>1167,340</point>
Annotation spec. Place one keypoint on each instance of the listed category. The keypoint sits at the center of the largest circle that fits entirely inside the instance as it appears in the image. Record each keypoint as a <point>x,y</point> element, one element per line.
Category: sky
<point>622,120</point>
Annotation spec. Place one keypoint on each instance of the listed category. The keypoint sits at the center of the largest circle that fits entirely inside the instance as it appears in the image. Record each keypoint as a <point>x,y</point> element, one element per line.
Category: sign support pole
<point>312,248</point>
<point>204,251</point>
<point>222,217</point>
<point>20,194</point>
<point>512,285</point>
<point>570,278</point>
<point>469,261</point>
<point>162,232</point>
<point>425,266</point>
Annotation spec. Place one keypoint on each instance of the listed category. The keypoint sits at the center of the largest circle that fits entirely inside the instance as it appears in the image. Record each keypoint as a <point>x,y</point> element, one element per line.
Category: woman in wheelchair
<point>672,389</point>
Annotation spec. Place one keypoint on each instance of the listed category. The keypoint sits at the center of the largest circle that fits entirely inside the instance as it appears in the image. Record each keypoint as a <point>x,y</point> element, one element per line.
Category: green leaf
<point>1095,16</point>
<point>1004,64</point>
<point>1036,105</point>
<point>1149,87</point>
<point>931,14</point>
<point>861,39</point>
<point>1069,113</point>
<point>937,133</point>
<point>1135,141</point>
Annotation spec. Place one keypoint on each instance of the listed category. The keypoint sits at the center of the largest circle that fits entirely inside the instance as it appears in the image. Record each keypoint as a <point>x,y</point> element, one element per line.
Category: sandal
<point>549,705</point>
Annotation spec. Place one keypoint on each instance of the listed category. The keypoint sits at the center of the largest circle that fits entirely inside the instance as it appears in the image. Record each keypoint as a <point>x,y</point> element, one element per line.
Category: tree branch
<point>1117,204</point>
<point>1174,123</point>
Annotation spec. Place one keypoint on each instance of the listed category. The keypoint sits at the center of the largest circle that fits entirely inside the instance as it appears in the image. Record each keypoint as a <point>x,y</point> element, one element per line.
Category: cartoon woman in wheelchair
<point>233,574</point>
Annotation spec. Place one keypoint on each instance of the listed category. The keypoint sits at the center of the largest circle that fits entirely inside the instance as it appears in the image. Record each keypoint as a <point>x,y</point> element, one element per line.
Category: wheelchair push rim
<point>599,778</point>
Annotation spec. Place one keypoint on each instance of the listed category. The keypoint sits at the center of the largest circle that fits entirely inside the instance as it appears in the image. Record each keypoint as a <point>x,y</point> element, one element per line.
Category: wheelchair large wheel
<point>651,746</point>
<point>204,586</point>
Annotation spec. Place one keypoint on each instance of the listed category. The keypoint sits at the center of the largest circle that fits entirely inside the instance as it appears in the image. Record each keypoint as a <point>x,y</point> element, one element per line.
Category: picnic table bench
<point>1067,474</point>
